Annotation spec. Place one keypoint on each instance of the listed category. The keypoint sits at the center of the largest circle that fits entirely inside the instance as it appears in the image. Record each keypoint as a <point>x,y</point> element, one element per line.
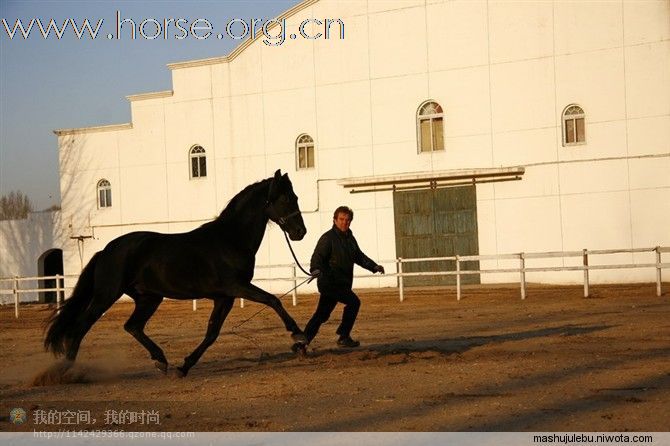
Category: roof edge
<point>151,95</point>
<point>198,62</point>
<point>99,128</point>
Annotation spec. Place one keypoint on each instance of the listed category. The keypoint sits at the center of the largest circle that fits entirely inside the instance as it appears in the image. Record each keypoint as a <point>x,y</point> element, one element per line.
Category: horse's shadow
<point>444,347</point>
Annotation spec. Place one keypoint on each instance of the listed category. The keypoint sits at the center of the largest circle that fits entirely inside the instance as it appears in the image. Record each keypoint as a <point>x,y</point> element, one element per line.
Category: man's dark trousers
<point>327,302</point>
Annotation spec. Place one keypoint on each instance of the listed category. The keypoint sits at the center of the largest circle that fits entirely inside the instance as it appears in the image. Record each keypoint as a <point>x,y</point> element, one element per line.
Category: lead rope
<point>263,308</point>
<point>288,242</point>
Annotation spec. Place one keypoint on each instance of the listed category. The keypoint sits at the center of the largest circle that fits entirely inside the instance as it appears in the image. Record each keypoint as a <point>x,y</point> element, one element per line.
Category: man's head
<point>342,218</point>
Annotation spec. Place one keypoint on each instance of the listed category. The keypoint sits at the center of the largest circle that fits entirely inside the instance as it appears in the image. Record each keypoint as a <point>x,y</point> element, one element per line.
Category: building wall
<point>502,71</point>
<point>22,243</point>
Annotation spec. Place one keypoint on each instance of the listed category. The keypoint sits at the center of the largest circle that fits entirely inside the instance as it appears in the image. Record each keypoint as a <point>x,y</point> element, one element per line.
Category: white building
<point>553,116</point>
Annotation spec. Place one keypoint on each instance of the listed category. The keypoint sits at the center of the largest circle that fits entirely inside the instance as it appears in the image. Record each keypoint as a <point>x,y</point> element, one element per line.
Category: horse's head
<point>282,207</point>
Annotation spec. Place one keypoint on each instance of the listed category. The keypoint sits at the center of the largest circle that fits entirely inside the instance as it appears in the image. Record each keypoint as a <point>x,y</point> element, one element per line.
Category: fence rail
<point>16,289</point>
<point>522,269</point>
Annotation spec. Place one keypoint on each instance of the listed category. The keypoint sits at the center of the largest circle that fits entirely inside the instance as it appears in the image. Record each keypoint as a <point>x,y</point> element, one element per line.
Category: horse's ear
<point>274,185</point>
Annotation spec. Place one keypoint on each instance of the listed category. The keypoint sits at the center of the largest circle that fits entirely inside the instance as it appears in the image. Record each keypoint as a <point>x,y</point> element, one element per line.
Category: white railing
<point>523,269</point>
<point>458,271</point>
<point>16,290</point>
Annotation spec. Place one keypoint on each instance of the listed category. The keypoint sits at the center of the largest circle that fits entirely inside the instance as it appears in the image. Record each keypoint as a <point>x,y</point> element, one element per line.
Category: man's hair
<point>343,210</point>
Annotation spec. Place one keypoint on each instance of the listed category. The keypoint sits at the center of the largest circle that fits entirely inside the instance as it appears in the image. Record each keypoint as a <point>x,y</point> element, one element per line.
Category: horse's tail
<point>62,325</point>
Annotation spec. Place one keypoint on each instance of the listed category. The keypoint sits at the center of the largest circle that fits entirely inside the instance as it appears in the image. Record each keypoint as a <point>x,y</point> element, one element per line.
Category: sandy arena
<point>491,362</point>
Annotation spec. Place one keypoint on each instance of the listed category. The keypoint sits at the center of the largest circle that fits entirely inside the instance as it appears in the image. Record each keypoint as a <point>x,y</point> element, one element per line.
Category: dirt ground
<point>491,362</point>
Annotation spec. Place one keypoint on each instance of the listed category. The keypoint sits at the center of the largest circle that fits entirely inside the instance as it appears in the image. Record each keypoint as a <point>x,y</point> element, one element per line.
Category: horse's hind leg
<point>222,307</point>
<point>145,307</point>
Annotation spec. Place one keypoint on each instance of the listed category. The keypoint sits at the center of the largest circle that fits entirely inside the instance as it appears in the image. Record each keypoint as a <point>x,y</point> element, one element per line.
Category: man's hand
<point>316,273</point>
<point>379,269</point>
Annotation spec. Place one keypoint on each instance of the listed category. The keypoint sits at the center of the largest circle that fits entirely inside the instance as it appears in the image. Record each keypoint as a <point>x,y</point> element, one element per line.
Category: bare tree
<point>15,206</point>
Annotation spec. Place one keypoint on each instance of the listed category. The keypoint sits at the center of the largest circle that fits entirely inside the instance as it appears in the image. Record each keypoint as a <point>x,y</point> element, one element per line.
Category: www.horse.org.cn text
<point>274,32</point>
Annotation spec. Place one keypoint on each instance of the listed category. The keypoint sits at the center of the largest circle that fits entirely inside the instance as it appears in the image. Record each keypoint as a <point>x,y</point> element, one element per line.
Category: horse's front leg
<point>222,306</point>
<point>255,294</point>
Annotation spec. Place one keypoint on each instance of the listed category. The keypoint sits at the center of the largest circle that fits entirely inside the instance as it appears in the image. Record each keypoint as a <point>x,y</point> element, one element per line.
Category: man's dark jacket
<point>335,255</point>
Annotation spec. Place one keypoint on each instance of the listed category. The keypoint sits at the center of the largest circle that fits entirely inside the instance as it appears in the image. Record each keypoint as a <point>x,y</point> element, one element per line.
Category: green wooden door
<point>437,223</point>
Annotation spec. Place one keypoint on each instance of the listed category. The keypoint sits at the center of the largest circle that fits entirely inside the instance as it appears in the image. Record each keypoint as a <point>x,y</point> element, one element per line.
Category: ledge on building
<point>100,128</point>
<point>431,180</point>
<point>152,95</point>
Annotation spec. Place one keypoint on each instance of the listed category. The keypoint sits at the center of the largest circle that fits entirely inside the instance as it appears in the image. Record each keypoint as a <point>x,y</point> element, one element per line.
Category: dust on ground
<point>490,362</point>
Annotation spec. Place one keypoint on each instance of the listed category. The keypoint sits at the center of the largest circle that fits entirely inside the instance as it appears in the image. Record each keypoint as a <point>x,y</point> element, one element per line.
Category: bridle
<point>280,219</point>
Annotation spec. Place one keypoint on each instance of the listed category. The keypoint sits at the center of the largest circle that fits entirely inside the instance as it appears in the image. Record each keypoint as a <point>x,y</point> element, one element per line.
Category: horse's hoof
<point>180,373</point>
<point>299,348</point>
<point>162,366</point>
<point>65,364</point>
<point>299,338</point>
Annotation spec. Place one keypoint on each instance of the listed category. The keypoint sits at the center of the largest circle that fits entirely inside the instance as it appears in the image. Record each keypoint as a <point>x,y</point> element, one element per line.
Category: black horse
<point>215,261</point>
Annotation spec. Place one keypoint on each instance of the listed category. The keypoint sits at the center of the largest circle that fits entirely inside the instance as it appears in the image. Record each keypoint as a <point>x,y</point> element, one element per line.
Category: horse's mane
<point>240,200</point>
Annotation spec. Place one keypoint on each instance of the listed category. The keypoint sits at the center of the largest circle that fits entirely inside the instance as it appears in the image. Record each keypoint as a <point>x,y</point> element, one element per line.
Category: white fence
<point>16,289</point>
<point>290,275</point>
<point>522,269</point>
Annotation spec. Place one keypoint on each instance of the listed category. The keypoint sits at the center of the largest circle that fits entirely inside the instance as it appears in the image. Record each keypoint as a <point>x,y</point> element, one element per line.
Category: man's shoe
<point>348,342</point>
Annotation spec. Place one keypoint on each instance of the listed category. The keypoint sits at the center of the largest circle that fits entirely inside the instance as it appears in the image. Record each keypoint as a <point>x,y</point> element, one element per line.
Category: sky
<point>70,82</point>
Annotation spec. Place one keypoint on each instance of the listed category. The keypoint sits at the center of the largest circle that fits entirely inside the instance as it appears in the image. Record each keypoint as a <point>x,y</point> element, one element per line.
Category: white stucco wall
<point>22,243</point>
<point>502,71</point>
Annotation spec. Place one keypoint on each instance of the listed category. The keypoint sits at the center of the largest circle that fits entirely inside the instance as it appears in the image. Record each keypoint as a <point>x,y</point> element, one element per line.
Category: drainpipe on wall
<point>80,247</point>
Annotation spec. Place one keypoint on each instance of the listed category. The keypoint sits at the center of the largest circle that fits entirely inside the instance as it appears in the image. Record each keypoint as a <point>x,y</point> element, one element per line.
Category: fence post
<point>458,278</point>
<point>401,288</point>
<point>195,304</point>
<point>658,271</point>
<point>295,285</point>
<point>16,297</point>
<point>585,256</point>
<point>58,292</point>
<point>522,259</point>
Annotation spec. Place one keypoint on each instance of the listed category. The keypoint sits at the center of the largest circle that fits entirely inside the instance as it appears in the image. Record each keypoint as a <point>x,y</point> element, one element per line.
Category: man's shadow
<point>443,346</point>
<point>458,345</point>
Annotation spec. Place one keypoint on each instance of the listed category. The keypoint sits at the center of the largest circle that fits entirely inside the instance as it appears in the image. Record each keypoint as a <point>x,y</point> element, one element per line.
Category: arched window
<point>104,194</point>
<point>574,130</point>
<point>304,149</point>
<point>198,162</point>
<point>430,127</point>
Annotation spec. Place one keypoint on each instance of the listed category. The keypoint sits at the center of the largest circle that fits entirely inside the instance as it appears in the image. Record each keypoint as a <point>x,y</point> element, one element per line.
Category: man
<point>333,265</point>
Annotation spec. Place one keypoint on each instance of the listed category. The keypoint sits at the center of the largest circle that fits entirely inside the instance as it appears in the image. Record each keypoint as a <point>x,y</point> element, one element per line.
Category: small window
<point>198,162</point>
<point>304,147</point>
<point>104,194</point>
<point>430,127</point>
<point>574,130</point>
